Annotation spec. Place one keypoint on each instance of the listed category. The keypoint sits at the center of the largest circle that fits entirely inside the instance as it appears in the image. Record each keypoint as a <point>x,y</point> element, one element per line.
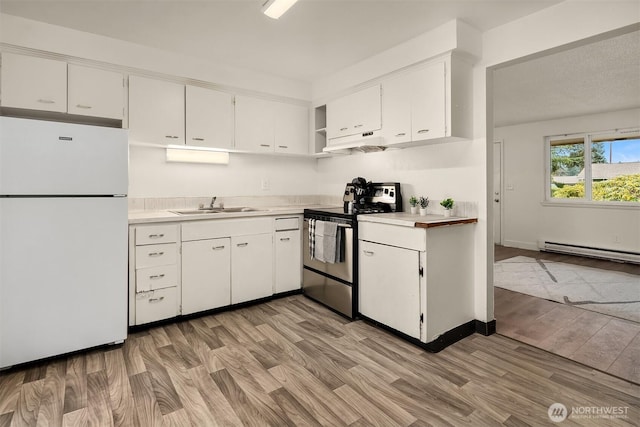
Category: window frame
<point>587,200</point>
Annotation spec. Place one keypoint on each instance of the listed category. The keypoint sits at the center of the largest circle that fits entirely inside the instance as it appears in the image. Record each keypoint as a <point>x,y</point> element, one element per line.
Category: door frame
<point>499,145</point>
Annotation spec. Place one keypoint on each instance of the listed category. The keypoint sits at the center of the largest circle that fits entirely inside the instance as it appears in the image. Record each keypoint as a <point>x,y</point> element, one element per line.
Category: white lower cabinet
<point>390,286</point>
<point>156,305</point>
<point>206,275</point>
<point>288,258</point>
<point>251,267</point>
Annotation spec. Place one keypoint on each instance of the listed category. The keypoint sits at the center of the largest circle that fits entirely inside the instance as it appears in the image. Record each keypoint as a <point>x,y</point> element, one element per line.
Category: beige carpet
<point>608,292</point>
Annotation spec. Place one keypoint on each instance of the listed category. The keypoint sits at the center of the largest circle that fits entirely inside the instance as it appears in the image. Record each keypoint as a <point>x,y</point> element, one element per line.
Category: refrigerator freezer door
<point>49,158</point>
<point>63,275</point>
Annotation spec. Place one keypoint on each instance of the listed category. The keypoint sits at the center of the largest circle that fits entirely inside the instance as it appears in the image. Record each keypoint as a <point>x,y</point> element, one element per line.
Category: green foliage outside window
<point>625,188</point>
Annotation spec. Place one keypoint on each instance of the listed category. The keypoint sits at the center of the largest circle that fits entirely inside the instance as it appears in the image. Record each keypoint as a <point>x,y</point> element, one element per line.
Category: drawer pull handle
<point>156,299</point>
<point>155,236</point>
<point>242,245</point>
<point>423,131</point>
<point>358,126</point>
<point>85,107</point>
<point>217,248</point>
<point>368,253</point>
<point>156,276</point>
<point>171,136</point>
<point>46,101</point>
<point>401,134</point>
<point>265,145</point>
<point>283,146</point>
<point>198,139</point>
<point>156,254</point>
<point>285,239</point>
<point>343,129</point>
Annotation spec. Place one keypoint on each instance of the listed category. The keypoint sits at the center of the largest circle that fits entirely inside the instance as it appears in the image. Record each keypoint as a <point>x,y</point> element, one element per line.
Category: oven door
<point>341,270</point>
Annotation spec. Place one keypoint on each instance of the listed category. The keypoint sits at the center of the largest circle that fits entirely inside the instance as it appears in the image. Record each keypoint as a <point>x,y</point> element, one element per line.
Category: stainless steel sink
<point>196,211</point>
<point>215,210</point>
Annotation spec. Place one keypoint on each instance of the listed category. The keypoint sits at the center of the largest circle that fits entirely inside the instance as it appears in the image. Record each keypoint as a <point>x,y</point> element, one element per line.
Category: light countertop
<point>405,219</point>
<point>144,217</point>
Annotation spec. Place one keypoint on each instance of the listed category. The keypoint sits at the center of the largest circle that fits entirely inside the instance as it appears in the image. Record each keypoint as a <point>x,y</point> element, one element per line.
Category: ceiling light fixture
<point>276,8</point>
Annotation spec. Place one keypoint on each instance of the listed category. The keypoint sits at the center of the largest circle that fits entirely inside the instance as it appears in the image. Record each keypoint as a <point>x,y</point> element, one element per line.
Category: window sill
<point>588,204</point>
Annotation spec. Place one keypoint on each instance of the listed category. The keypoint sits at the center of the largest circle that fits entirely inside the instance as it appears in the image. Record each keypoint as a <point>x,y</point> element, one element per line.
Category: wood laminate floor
<point>293,362</point>
<point>597,340</point>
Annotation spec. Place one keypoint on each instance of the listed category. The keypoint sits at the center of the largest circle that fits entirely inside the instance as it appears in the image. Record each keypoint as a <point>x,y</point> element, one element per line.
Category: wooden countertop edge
<point>444,223</point>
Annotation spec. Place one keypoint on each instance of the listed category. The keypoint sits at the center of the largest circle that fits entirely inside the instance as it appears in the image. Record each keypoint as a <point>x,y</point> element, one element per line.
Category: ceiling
<point>598,77</point>
<point>313,39</point>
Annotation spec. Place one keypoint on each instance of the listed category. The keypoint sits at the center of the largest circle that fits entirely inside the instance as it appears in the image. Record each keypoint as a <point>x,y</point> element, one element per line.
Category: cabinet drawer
<point>217,228</point>
<point>393,235</point>
<point>149,279</point>
<point>154,255</point>
<point>287,224</point>
<point>152,234</point>
<point>156,305</point>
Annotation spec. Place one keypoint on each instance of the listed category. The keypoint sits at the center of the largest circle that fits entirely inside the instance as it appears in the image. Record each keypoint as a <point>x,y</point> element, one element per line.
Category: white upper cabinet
<point>156,111</point>
<point>428,103</point>
<point>33,83</point>
<point>209,116</point>
<point>96,93</point>
<point>269,126</point>
<point>353,114</point>
<point>291,128</point>
<point>431,103</point>
<point>254,124</point>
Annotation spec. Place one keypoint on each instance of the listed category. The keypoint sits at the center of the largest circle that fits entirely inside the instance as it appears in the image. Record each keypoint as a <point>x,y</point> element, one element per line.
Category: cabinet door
<point>428,104</point>
<point>389,286</point>
<point>206,275</point>
<point>251,267</point>
<point>356,113</point>
<point>33,83</point>
<point>396,110</point>
<point>254,124</point>
<point>209,117</point>
<point>95,93</point>
<point>288,261</point>
<point>291,128</point>
<point>156,111</point>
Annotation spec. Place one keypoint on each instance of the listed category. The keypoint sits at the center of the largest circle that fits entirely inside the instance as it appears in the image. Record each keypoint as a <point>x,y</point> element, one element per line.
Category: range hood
<point>366,142</point>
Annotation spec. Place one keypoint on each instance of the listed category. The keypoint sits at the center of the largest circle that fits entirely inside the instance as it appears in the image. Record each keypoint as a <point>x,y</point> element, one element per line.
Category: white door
<point>51,158</point>
<point>96,93</point>
<point>206,275</point>
<point>428,119</point>
<point>156,111</point>
<point>288,261</point>
<point>33,83</point>
<point>396,110</point>
<point>254,124</point>
<point>291,128</point>
<point>251,267</point>
<point>63,281</point>
<point>497,193</point>
<point>209,118</point>
<point>389,286</point>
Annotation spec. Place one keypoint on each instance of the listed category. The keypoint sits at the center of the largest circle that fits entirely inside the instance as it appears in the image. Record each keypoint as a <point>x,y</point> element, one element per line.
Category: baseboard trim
<point>485,328</point>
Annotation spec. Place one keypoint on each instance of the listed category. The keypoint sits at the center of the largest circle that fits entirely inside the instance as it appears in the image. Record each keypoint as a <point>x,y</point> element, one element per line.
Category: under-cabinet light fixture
<point>276,8</point>
<point>182,154</point>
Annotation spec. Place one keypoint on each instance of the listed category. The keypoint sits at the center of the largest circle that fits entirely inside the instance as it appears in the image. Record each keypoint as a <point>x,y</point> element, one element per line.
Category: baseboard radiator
<point>587,251</point>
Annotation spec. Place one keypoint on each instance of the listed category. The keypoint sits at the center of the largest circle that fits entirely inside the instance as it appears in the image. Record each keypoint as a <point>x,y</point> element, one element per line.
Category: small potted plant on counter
<point>447,204</point>
<point>413,201</point>
<point>424,202</point>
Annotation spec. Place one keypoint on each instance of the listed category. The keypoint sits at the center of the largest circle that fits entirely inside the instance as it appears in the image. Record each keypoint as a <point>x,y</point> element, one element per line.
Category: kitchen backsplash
<point>167,203</point>
<point>463,209</point>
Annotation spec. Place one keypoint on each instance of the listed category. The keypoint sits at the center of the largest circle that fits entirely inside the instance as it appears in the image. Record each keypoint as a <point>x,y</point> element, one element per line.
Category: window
<point>611,174</point>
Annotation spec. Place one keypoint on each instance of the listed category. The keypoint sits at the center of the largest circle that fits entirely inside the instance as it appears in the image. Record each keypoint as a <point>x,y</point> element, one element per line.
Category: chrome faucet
<point>213,200</point>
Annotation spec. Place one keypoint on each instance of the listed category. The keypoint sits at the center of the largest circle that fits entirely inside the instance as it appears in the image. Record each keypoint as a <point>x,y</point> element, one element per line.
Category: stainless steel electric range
<point>334,282</point>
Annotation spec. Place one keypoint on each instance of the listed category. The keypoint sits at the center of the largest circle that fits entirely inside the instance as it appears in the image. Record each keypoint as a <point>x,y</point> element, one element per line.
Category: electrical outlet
<point>265,184</point>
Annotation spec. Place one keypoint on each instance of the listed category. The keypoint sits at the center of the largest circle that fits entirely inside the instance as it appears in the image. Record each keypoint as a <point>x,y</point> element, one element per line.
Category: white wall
<point>526,220</point>
<point>151,176</point>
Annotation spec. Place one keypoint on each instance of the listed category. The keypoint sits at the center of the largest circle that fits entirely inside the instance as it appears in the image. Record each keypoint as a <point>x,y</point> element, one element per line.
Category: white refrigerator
<point>63,238</point>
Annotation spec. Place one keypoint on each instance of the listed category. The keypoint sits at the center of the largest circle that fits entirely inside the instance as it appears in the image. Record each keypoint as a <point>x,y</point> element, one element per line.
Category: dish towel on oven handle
<point>325,241</point>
